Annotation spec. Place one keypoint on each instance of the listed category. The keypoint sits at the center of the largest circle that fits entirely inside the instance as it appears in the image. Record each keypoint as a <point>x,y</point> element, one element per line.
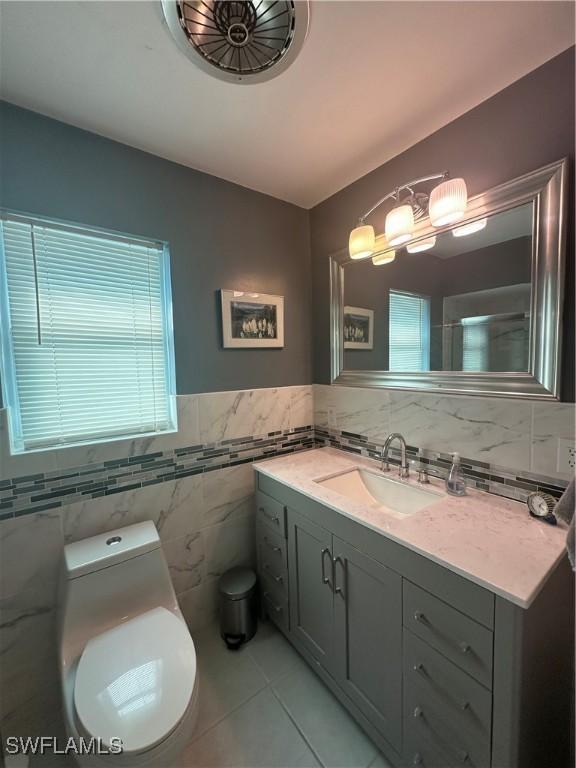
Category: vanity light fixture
<point>399,224</point>
<point>422,245</point>
<point>448,202</point>
<point>383,258</point>
<point>445,204</point>
<point>362,242</point>
<point>469,229</point>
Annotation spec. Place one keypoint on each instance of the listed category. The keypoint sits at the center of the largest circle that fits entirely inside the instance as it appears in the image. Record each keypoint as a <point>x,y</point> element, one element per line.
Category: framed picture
<point>252,320</point>
<point>358,328</point>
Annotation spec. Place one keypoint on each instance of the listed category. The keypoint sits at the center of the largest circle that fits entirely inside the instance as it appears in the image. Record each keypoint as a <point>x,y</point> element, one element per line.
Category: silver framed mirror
<point>496,337</point>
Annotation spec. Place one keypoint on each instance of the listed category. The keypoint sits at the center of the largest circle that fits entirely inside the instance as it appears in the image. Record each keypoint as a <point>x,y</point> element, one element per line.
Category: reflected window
<point>474,346</point>
<point>409,347</point>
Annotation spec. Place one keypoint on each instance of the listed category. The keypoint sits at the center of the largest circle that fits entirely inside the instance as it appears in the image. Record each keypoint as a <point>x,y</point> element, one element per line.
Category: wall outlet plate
<point>566,462</point>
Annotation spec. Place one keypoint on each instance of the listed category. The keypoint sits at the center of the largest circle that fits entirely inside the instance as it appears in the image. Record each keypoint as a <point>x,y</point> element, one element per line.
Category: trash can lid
<point>237,583</point>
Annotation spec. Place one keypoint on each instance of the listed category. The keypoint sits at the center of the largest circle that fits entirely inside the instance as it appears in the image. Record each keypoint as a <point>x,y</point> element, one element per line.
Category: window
<point>87,352</point>
<point>409,341</point>
<point>474,344</point>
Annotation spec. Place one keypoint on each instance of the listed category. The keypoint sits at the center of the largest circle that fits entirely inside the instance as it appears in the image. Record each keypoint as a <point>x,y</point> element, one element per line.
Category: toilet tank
<point>108,549</point>
<point>108,579</point>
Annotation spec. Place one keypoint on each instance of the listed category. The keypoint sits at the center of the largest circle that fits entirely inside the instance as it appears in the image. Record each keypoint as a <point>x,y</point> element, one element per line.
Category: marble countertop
<point>487,539</point>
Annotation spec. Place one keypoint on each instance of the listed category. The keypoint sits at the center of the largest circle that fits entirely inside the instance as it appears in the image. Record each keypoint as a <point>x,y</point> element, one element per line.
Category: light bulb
<point>383,258</point>
<point>447,202</point>
<point>361,242</point>
<point>469,229</point>
<point>422,245</point>
<point>399,225</point>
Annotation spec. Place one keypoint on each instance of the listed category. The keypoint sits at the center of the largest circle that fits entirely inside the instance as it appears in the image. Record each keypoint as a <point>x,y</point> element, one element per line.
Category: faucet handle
<point>423,476</point>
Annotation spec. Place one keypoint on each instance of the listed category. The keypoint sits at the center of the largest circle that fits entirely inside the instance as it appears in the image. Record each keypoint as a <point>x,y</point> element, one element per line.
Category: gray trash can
<point>238,606</point>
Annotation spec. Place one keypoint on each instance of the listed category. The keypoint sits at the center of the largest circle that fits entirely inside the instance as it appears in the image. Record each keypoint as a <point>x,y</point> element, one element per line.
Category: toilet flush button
<point>113,540</point>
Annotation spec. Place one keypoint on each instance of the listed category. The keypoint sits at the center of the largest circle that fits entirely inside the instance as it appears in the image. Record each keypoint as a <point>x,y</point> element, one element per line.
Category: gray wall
<point>525,126</point>
<point>221,236</point>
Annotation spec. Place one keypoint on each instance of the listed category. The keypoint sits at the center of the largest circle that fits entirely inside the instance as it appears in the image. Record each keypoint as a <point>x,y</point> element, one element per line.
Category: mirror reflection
<point>459,301</point>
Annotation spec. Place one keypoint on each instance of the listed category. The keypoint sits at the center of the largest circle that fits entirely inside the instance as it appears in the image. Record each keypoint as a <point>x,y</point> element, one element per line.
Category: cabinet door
<point>368,632</point>
<point>311,596</point>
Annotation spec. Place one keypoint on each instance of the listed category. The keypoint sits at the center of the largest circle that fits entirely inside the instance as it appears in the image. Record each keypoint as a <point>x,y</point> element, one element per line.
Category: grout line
<point>200,734</point>
<point>294,723</point>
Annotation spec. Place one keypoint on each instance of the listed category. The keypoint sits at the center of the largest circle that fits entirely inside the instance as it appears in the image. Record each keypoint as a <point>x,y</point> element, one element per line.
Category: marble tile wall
<point>514,435</point>
<point>205,522</point>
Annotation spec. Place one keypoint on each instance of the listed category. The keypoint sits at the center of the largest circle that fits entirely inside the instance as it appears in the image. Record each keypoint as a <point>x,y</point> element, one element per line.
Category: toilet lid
<point>135,681</point>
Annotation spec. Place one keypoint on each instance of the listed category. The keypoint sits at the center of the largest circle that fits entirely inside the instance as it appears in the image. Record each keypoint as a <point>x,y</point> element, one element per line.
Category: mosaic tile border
<point>492,478</point>
<point>40,492</point>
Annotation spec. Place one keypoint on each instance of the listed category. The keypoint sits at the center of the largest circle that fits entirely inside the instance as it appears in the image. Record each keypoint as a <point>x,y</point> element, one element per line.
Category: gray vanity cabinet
<point>311,587</point>
<point>439,671</point>
<point>368,637</point>
<point>346,610</point>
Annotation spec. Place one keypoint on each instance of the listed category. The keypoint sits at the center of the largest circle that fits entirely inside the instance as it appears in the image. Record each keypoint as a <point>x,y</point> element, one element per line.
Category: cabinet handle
<point>419,668</point>
<point>272,518</point>
<point>417,759</point>
<point>277,608</point>
<point>419,616</point>
<point>273,547</point>
<point>335,561</point>
<point>325,579</point>
<point>462,754</point>
<point>465,647</point>
<point>277,579</point>
<point>464,705</point>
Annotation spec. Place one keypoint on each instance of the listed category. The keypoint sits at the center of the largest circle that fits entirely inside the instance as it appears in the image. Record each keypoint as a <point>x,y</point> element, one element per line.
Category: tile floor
<point>260,707</point>
<point>263,707</point>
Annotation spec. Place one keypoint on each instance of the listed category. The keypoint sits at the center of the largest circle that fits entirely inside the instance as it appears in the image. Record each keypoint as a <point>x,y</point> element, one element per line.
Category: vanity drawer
<point>274,602</point>
<point>420,752</point>
<point>271,513</point>
<point>273,567</point>
<point>272,546</point>
<point>457,697</point>
<point>424,720</point>
<point>459,638</point>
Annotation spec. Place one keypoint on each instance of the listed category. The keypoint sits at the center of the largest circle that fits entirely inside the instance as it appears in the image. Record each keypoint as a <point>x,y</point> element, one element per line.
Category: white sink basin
<point>373,489</point>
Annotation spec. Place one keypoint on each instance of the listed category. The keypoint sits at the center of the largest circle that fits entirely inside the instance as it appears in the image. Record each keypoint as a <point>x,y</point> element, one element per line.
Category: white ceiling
<point>372,79</point>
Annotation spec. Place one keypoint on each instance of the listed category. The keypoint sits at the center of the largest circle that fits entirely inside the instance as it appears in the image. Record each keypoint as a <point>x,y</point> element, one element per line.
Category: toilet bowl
<point>127,660</point>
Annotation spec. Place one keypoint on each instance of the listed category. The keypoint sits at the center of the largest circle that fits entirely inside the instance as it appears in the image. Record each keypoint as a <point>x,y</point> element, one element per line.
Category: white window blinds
<point>87,349</point>
<point>409,332</point>
<point>474,345</point>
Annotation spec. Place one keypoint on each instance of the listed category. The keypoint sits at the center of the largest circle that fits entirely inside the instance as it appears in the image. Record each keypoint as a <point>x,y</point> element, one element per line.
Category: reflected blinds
<point>409,344</point>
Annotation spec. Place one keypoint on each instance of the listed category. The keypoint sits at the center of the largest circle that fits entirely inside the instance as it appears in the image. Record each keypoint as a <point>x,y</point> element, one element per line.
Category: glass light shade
<point>399,225</point>
<point>383,258</point>
<point>447,202</point>
<point>422,245</point>
<point>469,229</point>
<point>362,242</point>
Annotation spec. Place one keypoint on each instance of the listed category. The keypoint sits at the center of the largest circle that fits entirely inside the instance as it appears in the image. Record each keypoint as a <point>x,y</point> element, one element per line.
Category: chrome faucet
<point>403,470</point>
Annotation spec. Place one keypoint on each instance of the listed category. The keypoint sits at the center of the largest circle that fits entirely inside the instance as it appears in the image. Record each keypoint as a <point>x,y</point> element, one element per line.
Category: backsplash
<point>481,475</point>
<point>514,437</point>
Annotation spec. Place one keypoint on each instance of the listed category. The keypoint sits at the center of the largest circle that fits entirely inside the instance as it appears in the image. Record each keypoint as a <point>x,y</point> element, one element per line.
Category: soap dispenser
<point>455,483</point>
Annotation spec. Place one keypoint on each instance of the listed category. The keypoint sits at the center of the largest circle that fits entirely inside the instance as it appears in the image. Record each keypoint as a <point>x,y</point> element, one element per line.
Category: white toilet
<point>127,660</point>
